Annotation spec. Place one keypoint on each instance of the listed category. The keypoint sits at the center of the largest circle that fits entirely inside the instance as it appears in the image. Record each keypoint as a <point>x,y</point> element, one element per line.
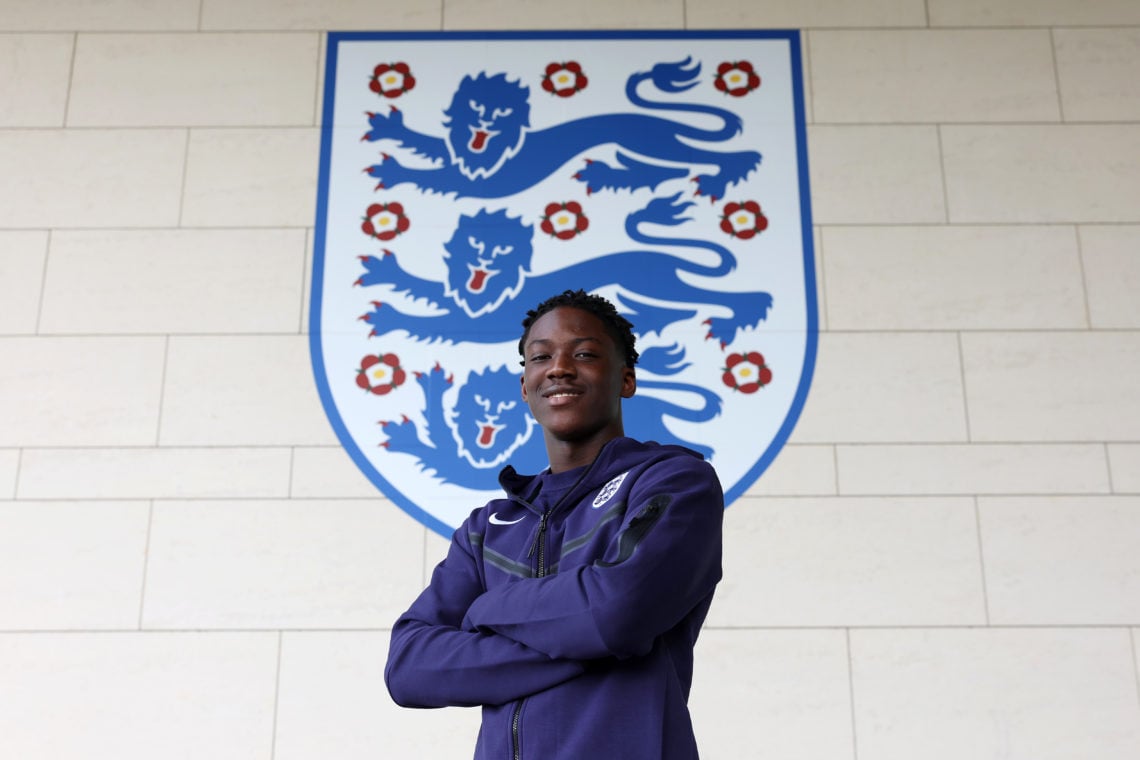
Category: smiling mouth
<point>561,394</point>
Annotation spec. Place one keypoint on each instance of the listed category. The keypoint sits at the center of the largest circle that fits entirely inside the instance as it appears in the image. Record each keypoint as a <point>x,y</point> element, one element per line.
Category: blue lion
<point>490,283</point>
<point>490,152</point>
<point>490,424</point>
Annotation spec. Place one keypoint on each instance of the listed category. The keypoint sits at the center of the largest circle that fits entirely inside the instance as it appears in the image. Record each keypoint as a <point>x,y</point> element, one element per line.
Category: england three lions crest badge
<point>465,177</point>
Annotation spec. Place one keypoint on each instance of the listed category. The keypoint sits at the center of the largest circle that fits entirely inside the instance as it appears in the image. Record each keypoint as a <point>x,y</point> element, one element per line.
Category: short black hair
<point>618,327</point>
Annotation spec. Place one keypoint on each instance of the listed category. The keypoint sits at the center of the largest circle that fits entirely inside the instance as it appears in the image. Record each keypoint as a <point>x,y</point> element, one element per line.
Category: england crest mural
<point>466,177</point>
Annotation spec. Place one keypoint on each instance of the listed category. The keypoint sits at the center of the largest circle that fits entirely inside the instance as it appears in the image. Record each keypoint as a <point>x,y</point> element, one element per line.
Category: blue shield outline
<point>389,479</point>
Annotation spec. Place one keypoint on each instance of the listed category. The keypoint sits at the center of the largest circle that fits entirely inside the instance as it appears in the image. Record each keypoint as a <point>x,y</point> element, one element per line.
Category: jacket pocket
<point>638,528</point>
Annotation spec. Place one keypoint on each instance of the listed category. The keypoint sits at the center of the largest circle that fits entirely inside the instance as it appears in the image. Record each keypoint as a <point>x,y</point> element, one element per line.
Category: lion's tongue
<point>487,435</point>
<point>478,278</point>
<point>478,141</point>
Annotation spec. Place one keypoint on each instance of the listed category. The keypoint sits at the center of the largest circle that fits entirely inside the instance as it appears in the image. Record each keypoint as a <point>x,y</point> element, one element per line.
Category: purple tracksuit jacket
<point>569,610</point>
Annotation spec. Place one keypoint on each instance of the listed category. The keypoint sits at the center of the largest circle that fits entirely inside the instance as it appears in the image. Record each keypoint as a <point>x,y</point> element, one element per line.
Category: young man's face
<point>574,377</point>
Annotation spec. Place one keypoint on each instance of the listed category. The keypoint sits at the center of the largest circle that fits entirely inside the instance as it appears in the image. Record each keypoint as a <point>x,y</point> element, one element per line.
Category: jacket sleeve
<point>665,562</point>
<point>433,663</point>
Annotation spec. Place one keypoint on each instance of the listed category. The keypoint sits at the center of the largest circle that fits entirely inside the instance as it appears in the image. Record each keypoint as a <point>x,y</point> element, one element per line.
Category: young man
<point>569,609</point>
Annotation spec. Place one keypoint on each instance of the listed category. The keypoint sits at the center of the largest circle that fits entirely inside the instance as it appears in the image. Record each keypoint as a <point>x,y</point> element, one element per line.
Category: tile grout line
<point>1056,74</point>
<point>307,263</point>
<point>851,695</point>
<point>821,280</point>
<point>942,176</point>
<point>43,283</point>
<point>1084,276</point>
<point>185,177</point>
<point>70,78</point>
<point>161,395</point>
<point>982,559</point>
<point>965,390</point>
<point>276,697</point>
<point>146,563</point>
<point>318,80</point>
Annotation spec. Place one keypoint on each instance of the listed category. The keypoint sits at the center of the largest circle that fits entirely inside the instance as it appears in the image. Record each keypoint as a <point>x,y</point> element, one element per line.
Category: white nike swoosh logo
<point>496,520</point>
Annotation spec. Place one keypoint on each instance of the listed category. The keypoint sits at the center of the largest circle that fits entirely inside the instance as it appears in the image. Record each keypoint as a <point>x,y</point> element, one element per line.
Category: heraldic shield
<point>465,177</point>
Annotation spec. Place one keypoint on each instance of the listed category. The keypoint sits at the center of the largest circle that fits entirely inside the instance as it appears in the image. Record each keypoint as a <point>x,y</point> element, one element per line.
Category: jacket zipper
<point>539,545</point>
<point>515,749</point>
<point>541,540</point>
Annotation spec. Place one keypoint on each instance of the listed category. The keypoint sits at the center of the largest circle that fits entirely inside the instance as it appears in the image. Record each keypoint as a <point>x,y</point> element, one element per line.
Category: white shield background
<point>752,427</point>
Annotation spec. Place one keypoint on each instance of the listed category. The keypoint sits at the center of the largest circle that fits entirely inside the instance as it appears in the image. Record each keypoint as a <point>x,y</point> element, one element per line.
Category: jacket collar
<point>612,456</point>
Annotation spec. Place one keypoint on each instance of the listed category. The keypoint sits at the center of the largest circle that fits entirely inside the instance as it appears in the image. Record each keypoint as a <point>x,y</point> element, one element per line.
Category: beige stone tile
<point>884,388</point>
<point>241,391</point>
<point>968,469</point>
<point>1124,462</point>
<point>953,278</point>
<point>798,471</point>
<point>258,564</point>
<point>71,565</point>
<point>1070,560</point>
<point>1097,69</point>
<point>1111,256</point>
<point>810,562</point>
<point>112,696</point>
<point>991,694</point>
<point>1042,173</point>
<point>1032,13</point>
<point>552,14</point>
<point>22,256</point>
<point>194,80</point>
<point>9,469</point>
<point>779,14</point>
<point>328,472</point>
<point>94,391</point>
<point>149,473</point>
<point>34,79</point>
<point>332,703</point>
<point>251,178</point>
<point>875,175</point>
<point>105,15</point>
<point>778,693</point>
<point>934,76</point>
<point>262,15</point>
<point>90,178</point>
<point>173,281</point>
<point>1068,387</point>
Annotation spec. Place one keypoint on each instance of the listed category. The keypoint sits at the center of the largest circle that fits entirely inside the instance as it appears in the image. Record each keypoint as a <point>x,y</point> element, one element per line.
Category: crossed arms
<point>460,644</point>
